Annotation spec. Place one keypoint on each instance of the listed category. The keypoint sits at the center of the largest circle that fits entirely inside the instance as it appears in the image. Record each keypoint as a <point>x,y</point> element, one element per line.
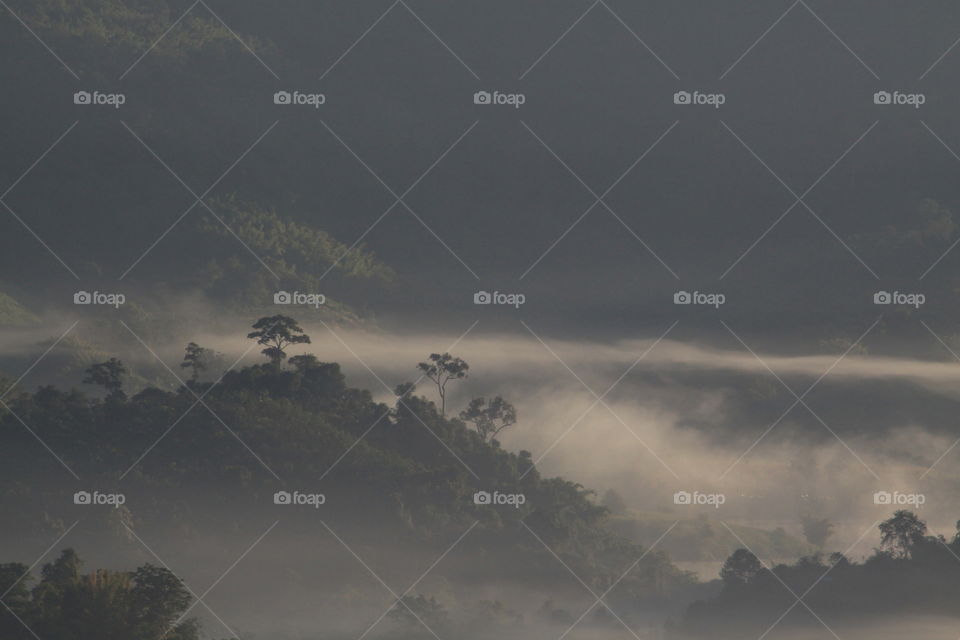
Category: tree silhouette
<point>108,375</point>
<point>149,602</point>
<point>277,332</point>
<point>404,389</point>
<point>817,530</point>
<point>740,569</point>
<point>304,362</point>
<point>901,532</point>
<point>442,369</point>
<point>491,418</point>
<point>199,359</point>
<point>837,559</point>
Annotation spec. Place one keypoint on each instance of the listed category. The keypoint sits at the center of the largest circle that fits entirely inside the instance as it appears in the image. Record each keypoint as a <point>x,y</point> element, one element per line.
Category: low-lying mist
<point>669,415</point>
<point>648,418</point>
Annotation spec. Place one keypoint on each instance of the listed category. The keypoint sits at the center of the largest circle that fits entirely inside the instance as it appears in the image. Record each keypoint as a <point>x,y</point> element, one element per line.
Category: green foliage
<point>200,360</point>
<point>912,573</point>
<point>12,314</point>
<point>442,368</point>
<point>170,52</point>
<point>291,249</point>
<point>302,257</point>
<point>108,375</point>
<point>900,533</point>
<point>277,332</point>
<point>127,29</point>
<point>740,569</point>
<point>489,418</point>
<point>107,605</point>
<point>404,468</point>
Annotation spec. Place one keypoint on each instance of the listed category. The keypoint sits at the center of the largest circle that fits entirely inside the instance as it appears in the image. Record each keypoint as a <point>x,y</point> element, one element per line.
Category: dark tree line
<point>278,333</point>
<point>912,572</point>
<point>67,604</point>
<point>402,466</point>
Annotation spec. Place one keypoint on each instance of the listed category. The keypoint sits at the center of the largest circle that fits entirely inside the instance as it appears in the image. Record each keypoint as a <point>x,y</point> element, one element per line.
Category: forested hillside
<point>151,201</point>
<point>207,457</point>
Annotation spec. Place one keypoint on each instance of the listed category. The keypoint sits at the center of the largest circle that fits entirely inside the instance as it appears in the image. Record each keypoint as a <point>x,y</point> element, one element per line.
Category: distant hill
<point>393,477</point>
<point>117,218</point>
<point>12,314</point>
<point>704,538</point>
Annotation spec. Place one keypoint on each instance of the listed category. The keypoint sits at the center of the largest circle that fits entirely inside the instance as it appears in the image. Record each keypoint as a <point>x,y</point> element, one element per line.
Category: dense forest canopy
<point>403,468</point>
<point>292,426</point>
<point>194,174</point>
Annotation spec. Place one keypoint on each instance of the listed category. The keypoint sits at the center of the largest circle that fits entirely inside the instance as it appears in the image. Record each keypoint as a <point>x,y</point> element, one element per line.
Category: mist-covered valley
<point>680,417</point>
<point>405,319</point>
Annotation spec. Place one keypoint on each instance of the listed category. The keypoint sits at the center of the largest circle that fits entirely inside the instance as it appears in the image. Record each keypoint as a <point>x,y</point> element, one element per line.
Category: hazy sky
<point>782,167</point>
<point>704,247</point>
<point>599,196</point>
